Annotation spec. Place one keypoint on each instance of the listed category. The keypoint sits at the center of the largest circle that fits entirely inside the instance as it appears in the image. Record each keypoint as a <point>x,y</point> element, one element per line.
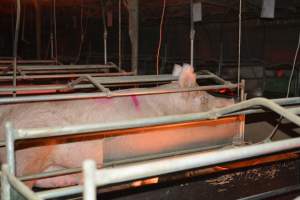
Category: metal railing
<point>114,81</point>
<point>154,167</point>
<point>94,178</point>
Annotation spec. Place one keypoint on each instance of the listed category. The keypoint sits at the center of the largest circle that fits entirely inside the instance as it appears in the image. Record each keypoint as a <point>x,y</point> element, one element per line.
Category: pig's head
<point>196,101</point>
<point>188,102</point>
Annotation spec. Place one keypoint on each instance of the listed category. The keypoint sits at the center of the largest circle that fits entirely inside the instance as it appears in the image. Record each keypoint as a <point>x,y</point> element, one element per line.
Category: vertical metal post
<point>133,9</point>
<point>55,33</point>
<point>5,186</point>
<point>10,147</point>
<point>239,47</point>
<point>120,34</point>
<point>104,30</point>
<point>15,49</point>
<point>192,33</point>
<point>38,28</point>
<point>89,172</point>
<point>243,95</point>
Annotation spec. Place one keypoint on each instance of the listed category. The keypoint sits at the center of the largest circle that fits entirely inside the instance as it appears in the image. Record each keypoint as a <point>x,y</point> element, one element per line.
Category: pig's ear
<point>187,77</point>
<point>177,69</point>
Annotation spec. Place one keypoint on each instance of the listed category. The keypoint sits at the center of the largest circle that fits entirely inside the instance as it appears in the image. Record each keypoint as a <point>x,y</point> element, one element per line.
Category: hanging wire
<point>288,91</point>
<point>120,34</point>
<point>239,50</point>
<point>160,36</point>
<point>83,32</point>
<point>192,32</point>
<point>15,49</point>
<point>55,31</point>
<point>103,10</point>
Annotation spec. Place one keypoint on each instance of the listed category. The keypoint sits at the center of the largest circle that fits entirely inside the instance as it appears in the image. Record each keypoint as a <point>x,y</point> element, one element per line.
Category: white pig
<point>57,155</point>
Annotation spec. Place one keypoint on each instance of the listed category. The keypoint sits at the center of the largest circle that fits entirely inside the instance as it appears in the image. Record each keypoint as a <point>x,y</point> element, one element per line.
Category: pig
<point>41,156</point>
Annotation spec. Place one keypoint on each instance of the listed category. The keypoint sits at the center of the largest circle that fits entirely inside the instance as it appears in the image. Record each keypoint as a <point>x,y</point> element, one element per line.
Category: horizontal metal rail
<point>108,81</point>
<point>214,114</point>
<point>282,102</point>
<point>12,135</point>
<point>146,169</point>
<point>65,67</point>
<point>9,179</point>
<point>9,61</point>
<point>62,76</point>
<point>129,172</point>
<point>147,91</point>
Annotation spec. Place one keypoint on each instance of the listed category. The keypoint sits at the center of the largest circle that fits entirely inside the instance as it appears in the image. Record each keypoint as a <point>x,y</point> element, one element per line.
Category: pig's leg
<point>59,181</point>
<point>71,155</point>
<point>33,161</point>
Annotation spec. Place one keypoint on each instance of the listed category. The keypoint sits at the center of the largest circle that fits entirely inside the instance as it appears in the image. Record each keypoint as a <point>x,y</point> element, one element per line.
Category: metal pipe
<point>248,112</point>
<point>38,25</point>
<point>112,94</point>
<point>16,42</point>
<point>157,167</point>
<point>120,35</point>
<point>10,147</point>
<point>55,31</point>
<point>113,163</point>
<point>108,81</point>
<point>89,171</point>
<point>104,30</point>
<point>17,185</point>
<point>64,67</point>
<point>5,186</point>
<point>213,114</point>
<point>96,84</point>
<point>192,32</point>
<point>28,62</point>
<point>239,45</point>
<point>140,170</point>
<point>63,76</point>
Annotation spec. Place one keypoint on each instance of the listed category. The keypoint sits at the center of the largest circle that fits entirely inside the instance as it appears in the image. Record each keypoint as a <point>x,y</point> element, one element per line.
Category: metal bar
<point>120,35</point>
<point>157,167</point>
<point>56,72</point>
<point>10,147</point>
<point>120,93</point>
<point>112,163</point>
<point>192,32</point>
<point>239,45</point>
<point>140,170</point>
<point>97,85</point>
<point>89,171</point>
<point>216,78</point>
<point>5,186</point>
<point>90,79</point>
<point>213,114</point>
<point>30,77</point>
<point>51,67</point>
<point>105,33</point>
<point>17,185</point>
<point>28,61</point>
<point>140,78</point>
<point>290,101</point>
<point>15,48</point>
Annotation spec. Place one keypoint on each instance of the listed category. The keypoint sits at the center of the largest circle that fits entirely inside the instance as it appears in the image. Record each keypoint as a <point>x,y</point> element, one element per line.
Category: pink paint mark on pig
<point>135,102</point>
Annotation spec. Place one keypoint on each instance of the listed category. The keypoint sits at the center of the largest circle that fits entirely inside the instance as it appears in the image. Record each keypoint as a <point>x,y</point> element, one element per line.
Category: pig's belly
<point>171,139</point>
